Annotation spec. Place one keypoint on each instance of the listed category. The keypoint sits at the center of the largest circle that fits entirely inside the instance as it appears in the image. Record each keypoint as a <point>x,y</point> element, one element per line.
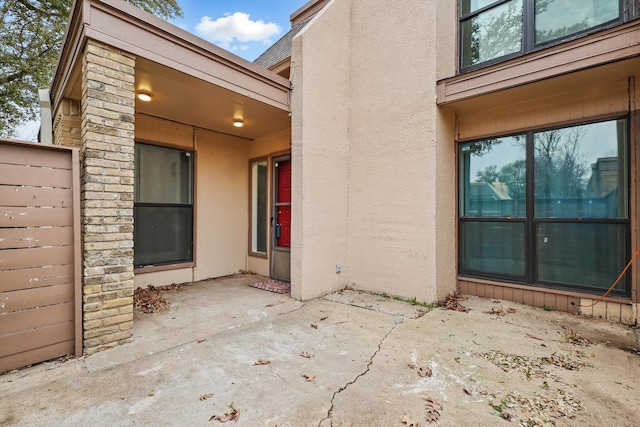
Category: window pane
<point>560,18</point>
<point>492,248</point>
<point>587,255</point>
<point>469,6</point>
<point>581,171</point>
<point>259,207</point>
<point>163,175</point>
<point>493,177</point>
<point>491,34</point>
<point>162,235</point>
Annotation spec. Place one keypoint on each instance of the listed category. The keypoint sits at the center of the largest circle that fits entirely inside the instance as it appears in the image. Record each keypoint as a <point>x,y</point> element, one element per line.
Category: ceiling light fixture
<point>144,96</point>
<point>238,123</point>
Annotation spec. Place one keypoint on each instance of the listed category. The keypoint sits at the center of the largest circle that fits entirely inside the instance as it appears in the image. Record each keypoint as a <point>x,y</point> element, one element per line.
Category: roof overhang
<point>181,70</point>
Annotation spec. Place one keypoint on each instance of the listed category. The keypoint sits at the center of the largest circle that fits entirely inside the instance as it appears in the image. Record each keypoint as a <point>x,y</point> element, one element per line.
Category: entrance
<point>281,219</point>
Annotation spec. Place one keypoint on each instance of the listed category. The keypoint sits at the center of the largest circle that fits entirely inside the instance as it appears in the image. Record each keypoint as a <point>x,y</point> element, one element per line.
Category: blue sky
<point>244,27</point>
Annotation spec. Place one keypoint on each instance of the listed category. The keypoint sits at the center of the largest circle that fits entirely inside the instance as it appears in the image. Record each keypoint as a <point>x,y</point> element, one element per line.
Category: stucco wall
<point>320,152</point>
<point>221,185</point>
<point>402,180</point>
<point>365,122</point>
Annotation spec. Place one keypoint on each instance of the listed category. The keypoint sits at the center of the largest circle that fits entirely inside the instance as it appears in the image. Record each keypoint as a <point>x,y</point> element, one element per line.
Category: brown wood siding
<point>39,254</point>
<point>538,297</point>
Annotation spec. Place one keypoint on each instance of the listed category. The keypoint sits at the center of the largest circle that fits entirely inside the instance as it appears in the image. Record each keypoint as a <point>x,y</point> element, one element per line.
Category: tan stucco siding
<point>152,129</point>
<point>222,205</point>
<point>370,145</point>
<point>320,153</point>
<point>402,180</point>
<point>221,200</point>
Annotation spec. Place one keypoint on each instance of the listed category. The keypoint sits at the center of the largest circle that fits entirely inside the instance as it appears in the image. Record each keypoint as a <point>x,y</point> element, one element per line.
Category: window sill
<point>258,255</point>
<point>604,47</point>
<point>153,269</point>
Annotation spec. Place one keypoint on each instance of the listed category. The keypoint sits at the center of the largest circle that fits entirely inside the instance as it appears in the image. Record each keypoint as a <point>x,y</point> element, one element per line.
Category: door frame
<point>273,248</point>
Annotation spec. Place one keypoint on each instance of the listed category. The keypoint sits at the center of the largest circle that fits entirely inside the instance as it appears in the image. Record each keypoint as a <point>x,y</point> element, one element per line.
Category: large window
<point>548,207</point>
<point>163,209</point>
<point>259,208</point>
<point>492,30</point>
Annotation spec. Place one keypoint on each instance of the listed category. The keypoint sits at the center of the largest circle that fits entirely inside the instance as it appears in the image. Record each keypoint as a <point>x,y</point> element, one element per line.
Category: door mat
<point>273,286</point>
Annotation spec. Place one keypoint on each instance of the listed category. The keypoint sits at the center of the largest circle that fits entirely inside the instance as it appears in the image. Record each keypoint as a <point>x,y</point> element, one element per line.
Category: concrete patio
<point>370,361</point>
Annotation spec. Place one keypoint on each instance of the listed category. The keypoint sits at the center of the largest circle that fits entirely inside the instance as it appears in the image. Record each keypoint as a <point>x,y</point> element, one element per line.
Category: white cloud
<point>236,27</point>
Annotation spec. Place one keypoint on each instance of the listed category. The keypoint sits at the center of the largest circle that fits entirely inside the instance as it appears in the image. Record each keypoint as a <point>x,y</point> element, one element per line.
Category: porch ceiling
<point>192,81</point>
<point>186,99</point>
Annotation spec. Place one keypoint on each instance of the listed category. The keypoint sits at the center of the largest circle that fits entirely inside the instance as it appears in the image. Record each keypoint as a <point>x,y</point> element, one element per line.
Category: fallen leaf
<point>324,318</point>
<point>201,340</point>
<point>229,416</point>
<point>534,337</point>
<point>433,409</point>
<point>511,310</point>
<point>452,302</point>
<point>314,326</point>
<point>261,362</point>
<point>496,311</point>
<point>269,305</point>
<point>206,396</point>
<point>306,354</point>
<point>467,391</point>
<point>309,377</point>
<point>151,393</point>
<point>425,372</point>
<point>409,422</point>
<point>412,366</point>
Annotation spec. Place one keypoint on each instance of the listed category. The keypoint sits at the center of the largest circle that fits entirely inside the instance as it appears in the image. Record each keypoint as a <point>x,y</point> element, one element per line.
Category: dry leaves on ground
<point>314,326</point>
<point>496,311</point>
<point>309,377</point>
<point>261,362</point>
<point>409,422</point>
<point>206,396</point>
<point>229,416</point>
<point>150,299</point>
<point>573,338</point>
<point>540,409</point>
<point>423,371</point>
<point>536,367</point>
<point>452,302</point>
<point>306,355</point>
<point>433,409</point>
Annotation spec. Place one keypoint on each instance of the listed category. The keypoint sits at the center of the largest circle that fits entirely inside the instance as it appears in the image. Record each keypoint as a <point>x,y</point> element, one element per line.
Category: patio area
<point>227,351</point>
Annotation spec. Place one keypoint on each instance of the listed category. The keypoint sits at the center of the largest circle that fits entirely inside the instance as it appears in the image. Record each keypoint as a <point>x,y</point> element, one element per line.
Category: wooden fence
<point>40,259</point>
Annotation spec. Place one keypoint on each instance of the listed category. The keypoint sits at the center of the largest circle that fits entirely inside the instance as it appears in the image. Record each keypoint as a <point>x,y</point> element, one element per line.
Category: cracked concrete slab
<point>365,356</point>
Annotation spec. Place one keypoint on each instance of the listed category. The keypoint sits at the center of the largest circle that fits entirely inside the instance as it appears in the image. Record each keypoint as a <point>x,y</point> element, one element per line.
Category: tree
<point>31,33</point>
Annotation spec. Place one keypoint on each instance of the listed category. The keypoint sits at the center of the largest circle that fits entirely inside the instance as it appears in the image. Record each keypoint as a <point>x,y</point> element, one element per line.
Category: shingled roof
<point>281,49</point>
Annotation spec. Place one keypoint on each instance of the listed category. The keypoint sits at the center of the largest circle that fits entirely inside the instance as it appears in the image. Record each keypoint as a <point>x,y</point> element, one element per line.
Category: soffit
<point>193,82</point>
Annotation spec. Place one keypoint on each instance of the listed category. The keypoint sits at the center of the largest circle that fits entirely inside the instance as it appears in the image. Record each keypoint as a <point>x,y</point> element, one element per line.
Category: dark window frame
<point>532,222</point>
<point>628,10</point>
<point>178,263</point>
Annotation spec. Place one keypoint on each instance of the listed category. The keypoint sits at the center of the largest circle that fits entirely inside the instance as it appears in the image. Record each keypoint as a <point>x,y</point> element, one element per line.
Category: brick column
<point>66,124</point>
<point>107,196</point>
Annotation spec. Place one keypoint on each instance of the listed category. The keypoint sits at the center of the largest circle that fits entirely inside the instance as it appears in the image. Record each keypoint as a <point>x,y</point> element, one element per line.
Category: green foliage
<point>31,33</point>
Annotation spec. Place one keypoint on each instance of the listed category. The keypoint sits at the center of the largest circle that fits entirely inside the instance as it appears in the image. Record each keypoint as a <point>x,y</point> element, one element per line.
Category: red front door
<point>281,252</point>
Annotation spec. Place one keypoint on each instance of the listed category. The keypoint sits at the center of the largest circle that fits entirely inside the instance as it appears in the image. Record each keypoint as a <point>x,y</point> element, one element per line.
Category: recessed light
<point>238,123</point>
<point>144,96</point>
